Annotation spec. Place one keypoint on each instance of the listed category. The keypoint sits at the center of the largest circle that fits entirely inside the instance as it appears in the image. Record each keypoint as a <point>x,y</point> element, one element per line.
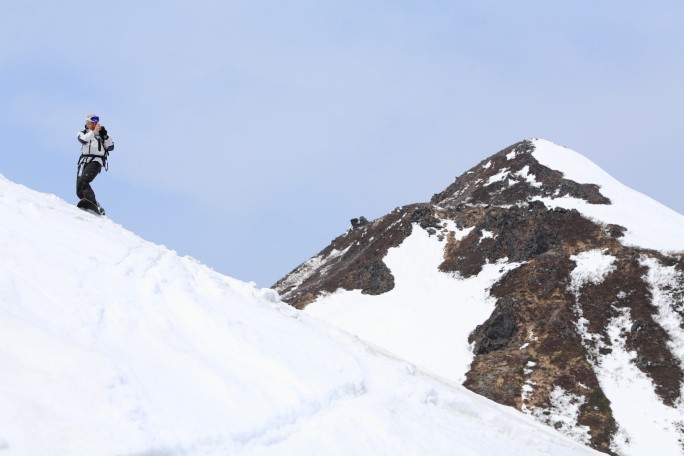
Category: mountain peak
<point>538,281</point>
<point>514,176</point>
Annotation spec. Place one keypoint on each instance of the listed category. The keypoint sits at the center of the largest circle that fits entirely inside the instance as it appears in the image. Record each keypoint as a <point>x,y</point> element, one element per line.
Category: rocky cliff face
<point>578,299</point>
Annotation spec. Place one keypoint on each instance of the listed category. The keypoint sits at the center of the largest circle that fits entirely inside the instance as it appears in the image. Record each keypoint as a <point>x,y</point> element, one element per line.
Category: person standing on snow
<point>95,147</point>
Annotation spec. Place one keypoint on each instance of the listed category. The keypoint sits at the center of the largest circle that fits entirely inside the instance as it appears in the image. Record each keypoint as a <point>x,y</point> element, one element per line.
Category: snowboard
<point>89,206</point>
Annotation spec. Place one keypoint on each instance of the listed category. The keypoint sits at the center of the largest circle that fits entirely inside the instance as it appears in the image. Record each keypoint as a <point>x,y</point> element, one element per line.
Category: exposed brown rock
<point>544,310</point>
<point>625,288</point>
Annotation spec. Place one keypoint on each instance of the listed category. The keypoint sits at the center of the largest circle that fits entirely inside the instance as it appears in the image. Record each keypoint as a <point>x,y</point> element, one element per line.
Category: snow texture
<point>591,267</point>
<point>525,175</point>
<point>563,414</point>
<point>498,177</point>
<point>668,298</point>
<point>111,345</point>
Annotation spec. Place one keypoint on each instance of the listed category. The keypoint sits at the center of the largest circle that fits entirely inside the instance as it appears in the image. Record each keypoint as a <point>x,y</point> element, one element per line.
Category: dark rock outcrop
<point>498,331</point>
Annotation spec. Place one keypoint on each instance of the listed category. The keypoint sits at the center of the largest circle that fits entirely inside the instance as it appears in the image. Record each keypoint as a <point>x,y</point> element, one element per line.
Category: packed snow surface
<point>111,345</point>
<point>649,223</point>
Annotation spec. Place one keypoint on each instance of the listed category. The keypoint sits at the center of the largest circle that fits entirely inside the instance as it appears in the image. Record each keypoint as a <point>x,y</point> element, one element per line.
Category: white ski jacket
<point>94,148</point>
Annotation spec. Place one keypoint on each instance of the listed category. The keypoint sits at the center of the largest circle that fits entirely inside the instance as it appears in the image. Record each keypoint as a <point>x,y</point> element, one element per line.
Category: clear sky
<point>248,133</point>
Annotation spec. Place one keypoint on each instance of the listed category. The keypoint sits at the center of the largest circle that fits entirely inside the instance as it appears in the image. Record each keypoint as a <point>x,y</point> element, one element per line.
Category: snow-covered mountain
<point>111,345</point>
<point>536,280</point>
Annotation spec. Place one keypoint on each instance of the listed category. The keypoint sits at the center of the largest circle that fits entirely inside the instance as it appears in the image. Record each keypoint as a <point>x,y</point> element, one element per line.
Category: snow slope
<point>428,315</point>
<point>649,223</point>
<point>111,345</point>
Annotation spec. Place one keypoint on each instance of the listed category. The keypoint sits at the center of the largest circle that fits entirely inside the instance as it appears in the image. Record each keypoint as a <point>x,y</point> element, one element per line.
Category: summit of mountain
<point>537,280</point>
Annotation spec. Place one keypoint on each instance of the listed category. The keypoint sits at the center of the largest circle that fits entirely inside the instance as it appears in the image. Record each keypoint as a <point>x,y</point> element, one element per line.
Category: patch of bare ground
<point>535,298</point>
<point>534,316</point>
<point>534,319</point>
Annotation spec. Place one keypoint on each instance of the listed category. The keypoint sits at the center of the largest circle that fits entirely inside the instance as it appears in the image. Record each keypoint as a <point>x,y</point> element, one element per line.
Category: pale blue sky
<point>248,133</point>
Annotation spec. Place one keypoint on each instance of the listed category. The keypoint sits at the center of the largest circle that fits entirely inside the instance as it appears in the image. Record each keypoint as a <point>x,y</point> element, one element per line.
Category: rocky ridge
<point>550,331</point>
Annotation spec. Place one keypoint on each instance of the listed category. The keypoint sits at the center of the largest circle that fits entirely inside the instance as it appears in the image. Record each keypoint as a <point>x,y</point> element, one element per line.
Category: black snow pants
<point>86,174</point>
